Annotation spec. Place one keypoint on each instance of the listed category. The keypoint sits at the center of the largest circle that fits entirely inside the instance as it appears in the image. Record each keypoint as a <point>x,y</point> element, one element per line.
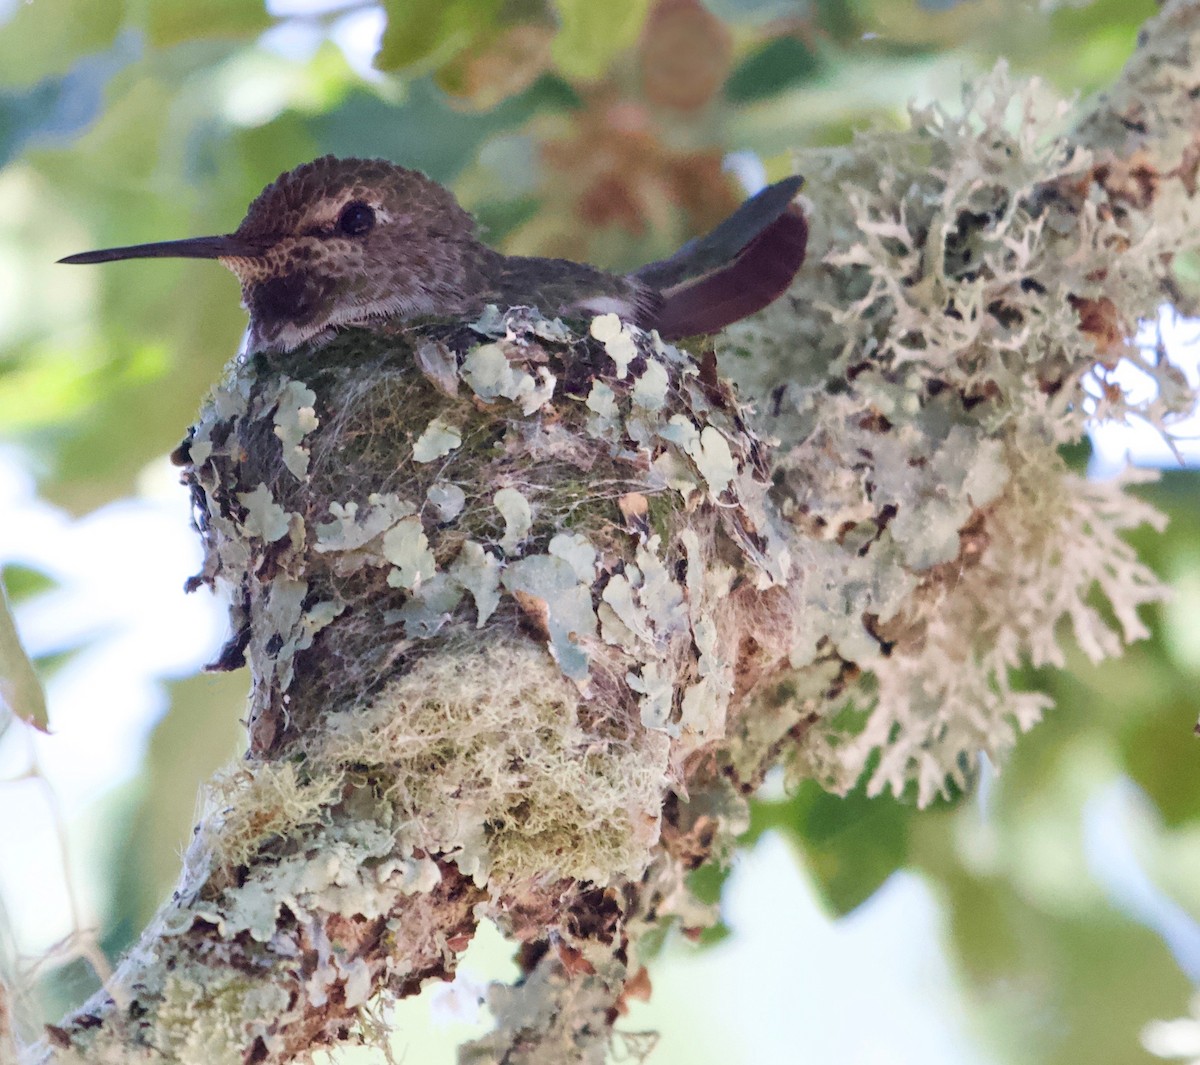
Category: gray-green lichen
<point>558,1015</point>
<point>981,274</point>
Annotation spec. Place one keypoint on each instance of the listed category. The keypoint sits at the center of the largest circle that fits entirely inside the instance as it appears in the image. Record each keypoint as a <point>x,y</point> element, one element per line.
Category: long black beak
<point>228,246</point>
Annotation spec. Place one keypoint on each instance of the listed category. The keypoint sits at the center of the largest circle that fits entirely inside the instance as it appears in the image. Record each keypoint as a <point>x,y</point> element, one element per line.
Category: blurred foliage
<point>20,688</point>
<point>597,131</point>
<point>850,844</point>
<point>187,747</point>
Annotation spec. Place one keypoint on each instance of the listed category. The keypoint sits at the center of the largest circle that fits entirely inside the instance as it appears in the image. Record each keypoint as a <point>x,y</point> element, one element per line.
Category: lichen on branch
<point>982,273</point>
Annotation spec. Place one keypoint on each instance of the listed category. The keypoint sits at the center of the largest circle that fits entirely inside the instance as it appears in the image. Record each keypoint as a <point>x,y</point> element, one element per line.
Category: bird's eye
<point>356,219</point>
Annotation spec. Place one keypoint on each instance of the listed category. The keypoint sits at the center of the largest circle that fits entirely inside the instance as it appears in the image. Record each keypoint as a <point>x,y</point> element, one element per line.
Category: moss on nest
<point>484,755</point>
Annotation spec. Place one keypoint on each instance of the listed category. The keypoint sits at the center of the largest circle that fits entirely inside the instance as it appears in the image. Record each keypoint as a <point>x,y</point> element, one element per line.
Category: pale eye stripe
<point>322,220</point>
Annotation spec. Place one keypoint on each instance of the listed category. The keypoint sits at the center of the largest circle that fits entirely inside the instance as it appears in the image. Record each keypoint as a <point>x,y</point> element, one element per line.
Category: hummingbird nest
<point>505,579</point>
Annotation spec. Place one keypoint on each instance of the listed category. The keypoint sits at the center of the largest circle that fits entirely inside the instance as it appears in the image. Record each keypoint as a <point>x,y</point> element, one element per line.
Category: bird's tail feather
<point>744,264</point>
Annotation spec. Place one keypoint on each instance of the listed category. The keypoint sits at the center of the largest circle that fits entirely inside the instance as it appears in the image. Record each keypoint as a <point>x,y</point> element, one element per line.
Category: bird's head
<point>334,242</point>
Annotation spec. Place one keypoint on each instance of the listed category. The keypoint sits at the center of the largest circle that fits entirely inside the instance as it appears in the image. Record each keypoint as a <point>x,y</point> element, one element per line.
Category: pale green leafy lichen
<point>430,607</point>
<point>551,589</point>
<point>617,341</point>
<point>578,552</point>
<point>603,401</point>
<point>478,572</point>
<point>518,518</point>
<point>295,417</point>
<point>437,440</point>
<point>406,547</point>
<point>265,518</point>
<point>447,499</point>
<point>650,389</point>
<point>490,374</point>
<point>352,526</point>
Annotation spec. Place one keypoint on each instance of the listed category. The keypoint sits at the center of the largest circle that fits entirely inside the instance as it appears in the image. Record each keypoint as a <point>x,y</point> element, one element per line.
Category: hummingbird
<point>350,242</point>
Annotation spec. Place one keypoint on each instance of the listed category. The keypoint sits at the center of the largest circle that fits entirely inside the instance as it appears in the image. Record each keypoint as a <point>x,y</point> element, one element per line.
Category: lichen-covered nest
<point>502,573</point>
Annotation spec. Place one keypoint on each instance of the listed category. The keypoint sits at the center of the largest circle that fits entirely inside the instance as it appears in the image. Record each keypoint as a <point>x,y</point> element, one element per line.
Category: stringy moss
<point>482,752</point>
<point>212,1024</point>
<point>245,808</point>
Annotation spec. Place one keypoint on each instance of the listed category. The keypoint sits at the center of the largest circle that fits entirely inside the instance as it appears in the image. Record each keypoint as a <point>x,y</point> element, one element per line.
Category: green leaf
<point>1092,976</point>
<point>707,884</point>
<point>170,22</point>
<point>1162,754</point>
<point>779,64</point>
<point>592,34</point>
<point>1085,47</point>
<point>142,403</point>
<point>1185,267</point>
<point>426,132</point>
<point>498,218</point>
<point>20,690</point>
<point>430,32</point>
<point>22,582</point>
<point>761,12</point>
<point>851,845</point>
<point>58,108</point>
<point>46,37</point>
<point>839,19</point>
